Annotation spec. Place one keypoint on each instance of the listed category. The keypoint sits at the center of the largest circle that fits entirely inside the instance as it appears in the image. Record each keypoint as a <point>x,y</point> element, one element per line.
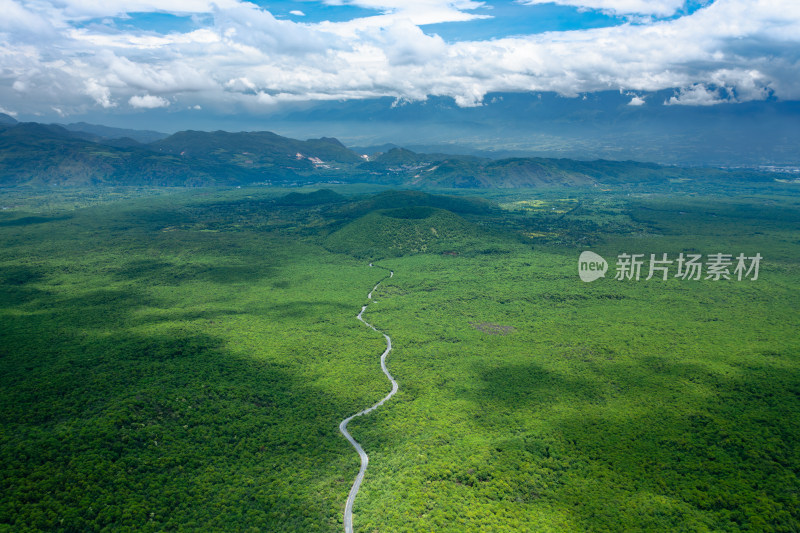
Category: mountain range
<point>646,126</point>
<point>84,154</point>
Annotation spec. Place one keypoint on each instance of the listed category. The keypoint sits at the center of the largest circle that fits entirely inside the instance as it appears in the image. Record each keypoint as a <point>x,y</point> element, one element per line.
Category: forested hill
<point>82,154</point>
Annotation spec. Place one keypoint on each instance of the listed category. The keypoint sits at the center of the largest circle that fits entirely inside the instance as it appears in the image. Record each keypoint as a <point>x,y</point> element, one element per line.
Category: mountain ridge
<point>48,154</point>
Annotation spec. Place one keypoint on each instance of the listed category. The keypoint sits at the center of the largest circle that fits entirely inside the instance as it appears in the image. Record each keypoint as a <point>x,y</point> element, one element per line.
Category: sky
<point>66,59</point>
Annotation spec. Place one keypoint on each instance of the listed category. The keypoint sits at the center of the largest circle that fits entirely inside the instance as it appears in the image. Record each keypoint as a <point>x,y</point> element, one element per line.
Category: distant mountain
<point>396,159</point>
<point>612,125</point>
<point>36,154</point>
<point>373,150</point>
<point>32,153</point>
<point>7,120</point>
<point>107,132</point>
<point>451,149</point>
<point>121,142</point>
<point>506,173</point>
<point>601,125</point>
<point>449,171</point>
<point>256,150</point>
<point>39,154</point>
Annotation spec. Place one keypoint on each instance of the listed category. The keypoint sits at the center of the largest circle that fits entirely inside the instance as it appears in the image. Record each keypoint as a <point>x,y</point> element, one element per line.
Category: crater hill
<point>399,223</point>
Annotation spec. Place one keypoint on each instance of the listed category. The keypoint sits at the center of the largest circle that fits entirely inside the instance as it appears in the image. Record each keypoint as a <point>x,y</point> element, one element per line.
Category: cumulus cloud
<point>297,13</point>
<point>241,55</point>
<point>101,94</point>
<point>698,94</point>
<point>147,101</point>
<point>418,11</point>
<point>24,23</point>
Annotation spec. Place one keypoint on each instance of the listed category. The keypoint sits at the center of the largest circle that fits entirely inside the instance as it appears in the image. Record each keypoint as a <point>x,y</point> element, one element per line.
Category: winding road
<point>348,508</point>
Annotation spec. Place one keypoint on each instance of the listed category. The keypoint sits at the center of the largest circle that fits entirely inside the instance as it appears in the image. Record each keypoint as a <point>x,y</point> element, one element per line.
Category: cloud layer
<point>73,55</point>
<point>661,8</point>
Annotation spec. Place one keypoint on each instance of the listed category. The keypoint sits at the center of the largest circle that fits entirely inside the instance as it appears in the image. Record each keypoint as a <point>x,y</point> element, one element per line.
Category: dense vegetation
<point>180,360</point>
<point>533,402</point>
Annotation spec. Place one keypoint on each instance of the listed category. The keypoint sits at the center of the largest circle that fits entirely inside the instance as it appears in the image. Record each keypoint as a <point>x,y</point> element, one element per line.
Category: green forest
<point>178,359</point>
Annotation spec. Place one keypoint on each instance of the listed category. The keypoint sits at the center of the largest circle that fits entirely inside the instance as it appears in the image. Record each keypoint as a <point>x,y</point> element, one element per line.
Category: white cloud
<point>148,101</point>
<point>403,43</point>
<point>88,9</point>
<point>7,111</point>
<point>101,94</point>
<point>23,22</point>
<point>297,13</point>
<point>699,95</point>
<point>636,100</point>
<point>420,11</point>
<point>417,12</point>
<point>730,51</point>
<point>660,8</point>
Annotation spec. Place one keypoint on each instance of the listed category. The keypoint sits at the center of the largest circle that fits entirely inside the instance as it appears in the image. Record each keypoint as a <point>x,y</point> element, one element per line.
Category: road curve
<point>348,508</point>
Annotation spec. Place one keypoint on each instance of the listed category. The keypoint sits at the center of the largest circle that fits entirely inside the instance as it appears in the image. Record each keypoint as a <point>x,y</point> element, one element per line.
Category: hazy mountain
<point>375,149</point>
<point>121,142</point>
<point>39,154</point>
<point>7,120</point>
<point>36,154</point>
<point>515,172</point>
<point>107,132</point>
<point>451,149</point>
<point>256,150</point>
<point>594,126</point>
<point>608,125</point>
<point>32,153</point>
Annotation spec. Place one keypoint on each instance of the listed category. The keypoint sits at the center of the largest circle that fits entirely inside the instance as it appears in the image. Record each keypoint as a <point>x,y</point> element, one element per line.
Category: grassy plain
<point>181,361</point>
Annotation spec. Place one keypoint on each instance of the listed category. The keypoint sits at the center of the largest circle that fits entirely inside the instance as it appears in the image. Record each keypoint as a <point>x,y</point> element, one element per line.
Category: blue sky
<point>503,19</point>
<point>72,58</point>
<point>511,18</point>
